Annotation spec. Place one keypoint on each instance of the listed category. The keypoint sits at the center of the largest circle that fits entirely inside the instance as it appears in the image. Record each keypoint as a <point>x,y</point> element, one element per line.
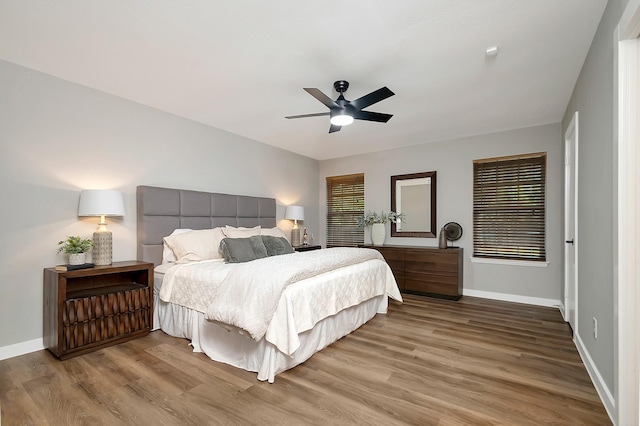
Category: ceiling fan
<point>343,112</point>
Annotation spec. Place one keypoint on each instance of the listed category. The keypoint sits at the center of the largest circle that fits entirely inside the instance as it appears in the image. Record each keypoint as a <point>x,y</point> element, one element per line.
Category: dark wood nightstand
<point>307,248</point>
<point>88,309</point>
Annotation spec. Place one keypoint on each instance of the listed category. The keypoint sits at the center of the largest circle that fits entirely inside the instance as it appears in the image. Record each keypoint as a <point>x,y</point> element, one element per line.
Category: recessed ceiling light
<point>492,51</point>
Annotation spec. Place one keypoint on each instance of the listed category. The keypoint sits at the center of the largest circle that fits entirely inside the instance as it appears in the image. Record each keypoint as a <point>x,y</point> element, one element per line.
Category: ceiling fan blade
<point>317,114</point>
<point>372,116</point>
<point>330,103</point>
<point>334,128</point>
<point>372,98</point>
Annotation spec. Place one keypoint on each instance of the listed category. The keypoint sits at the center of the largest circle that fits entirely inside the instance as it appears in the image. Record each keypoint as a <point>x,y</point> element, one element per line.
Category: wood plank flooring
<point>427,362</point>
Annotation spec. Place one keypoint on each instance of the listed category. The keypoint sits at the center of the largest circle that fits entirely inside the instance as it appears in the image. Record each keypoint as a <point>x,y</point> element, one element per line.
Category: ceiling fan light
<point>341,119</point>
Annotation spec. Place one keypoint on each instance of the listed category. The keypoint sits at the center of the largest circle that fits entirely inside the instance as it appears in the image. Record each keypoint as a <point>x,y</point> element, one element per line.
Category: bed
<point>355,283</point>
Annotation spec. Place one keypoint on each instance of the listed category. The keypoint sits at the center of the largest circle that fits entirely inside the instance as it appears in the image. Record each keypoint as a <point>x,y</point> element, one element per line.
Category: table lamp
<point>101,202</point>
<point>294,213</point>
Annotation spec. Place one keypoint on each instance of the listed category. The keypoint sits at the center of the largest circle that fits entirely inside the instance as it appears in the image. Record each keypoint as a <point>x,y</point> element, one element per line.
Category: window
<point>345,205</point>
<point>509,207</point>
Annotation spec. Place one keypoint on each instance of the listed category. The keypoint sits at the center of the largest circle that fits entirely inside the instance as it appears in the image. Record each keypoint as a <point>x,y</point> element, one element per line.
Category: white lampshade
<point>101,202</point>
<point>294,213</point>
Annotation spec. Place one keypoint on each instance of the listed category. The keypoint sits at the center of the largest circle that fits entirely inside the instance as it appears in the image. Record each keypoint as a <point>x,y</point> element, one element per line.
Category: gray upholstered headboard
<point>161,210</point>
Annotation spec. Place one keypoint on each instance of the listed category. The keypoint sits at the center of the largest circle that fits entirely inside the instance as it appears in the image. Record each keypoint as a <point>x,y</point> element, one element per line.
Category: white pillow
<point>203,244</point>
<point>275,232</point>
<point>241,232</point>
<point>167,254</point>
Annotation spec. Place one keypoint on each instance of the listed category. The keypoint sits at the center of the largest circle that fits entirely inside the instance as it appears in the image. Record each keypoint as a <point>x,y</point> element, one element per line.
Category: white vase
<point>377,234</point>
<point>76,258</point>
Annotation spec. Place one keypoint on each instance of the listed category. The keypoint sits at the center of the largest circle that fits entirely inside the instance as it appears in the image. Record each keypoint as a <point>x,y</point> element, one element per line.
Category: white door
<point>570,223</point>
<point>627,392</point>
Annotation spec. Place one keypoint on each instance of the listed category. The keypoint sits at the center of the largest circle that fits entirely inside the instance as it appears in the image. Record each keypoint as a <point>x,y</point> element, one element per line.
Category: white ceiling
<point>241,65</point>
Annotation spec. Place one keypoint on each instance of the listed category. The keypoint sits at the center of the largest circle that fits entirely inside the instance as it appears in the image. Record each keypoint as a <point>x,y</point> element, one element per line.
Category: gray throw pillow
<point>238,250</point>
<point>258,246</point>
<point>276,245</point>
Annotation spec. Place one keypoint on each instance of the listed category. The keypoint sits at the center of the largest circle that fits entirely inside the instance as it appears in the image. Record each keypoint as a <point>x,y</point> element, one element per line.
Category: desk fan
<point>453,232</point>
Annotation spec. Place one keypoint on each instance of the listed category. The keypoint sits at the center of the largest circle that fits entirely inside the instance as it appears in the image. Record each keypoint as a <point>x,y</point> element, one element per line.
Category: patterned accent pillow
<point>276,245</point>
<point>275,232</point>
<point>238,250</point>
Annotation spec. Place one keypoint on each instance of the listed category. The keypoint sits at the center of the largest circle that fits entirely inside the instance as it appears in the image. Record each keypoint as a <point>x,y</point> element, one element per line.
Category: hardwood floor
<point>427,362</point>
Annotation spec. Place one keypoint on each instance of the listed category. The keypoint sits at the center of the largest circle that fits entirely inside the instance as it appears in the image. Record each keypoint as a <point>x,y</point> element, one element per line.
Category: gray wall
<point>593,97</point>
<point>58,138</point>
<point>452,160</point>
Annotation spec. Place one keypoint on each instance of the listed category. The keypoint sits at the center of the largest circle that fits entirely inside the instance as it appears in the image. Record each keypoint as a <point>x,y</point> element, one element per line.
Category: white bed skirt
<point>261,356</point>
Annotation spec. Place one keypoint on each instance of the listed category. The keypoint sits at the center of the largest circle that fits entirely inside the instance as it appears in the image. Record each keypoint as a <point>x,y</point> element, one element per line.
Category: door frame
<point>571,179</point>
<point>627,295</point>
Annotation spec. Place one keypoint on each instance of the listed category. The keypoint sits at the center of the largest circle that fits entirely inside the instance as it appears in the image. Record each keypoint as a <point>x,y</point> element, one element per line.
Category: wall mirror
<point>414,195</point>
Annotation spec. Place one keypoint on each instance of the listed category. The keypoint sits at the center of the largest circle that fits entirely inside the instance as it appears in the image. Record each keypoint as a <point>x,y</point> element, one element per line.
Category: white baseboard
<point>21,348</point>
<point>563,312</point>
<point>603,391</point>
<point>538,301</point>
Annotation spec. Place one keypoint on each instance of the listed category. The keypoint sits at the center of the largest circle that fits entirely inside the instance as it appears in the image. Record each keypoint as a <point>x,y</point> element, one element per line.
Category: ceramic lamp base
<point>295,237</point>
<point>102,248</point>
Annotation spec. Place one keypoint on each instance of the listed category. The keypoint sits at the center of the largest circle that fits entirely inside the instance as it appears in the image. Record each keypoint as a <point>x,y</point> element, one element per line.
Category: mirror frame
<point>415,234</point>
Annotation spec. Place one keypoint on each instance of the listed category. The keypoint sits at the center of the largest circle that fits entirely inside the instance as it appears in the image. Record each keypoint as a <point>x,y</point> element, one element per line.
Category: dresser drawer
<point>431,277</point>
<point>422,261</point>
<point>431,284</point>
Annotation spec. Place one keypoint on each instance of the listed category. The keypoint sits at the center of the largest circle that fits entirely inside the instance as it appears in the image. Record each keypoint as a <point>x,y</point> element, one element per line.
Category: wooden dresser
<point>428,271</point>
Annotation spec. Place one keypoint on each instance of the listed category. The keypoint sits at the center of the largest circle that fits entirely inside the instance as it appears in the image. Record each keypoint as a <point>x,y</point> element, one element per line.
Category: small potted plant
<point>76,247</point>
<point>376,222</point>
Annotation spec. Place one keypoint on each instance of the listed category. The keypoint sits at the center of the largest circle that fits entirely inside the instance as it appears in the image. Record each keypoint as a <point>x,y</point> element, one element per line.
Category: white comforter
<point>282,296</point>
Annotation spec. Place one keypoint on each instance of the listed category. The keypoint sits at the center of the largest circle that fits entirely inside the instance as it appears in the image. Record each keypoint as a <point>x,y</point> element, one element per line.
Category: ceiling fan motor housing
<point>341,86</point>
